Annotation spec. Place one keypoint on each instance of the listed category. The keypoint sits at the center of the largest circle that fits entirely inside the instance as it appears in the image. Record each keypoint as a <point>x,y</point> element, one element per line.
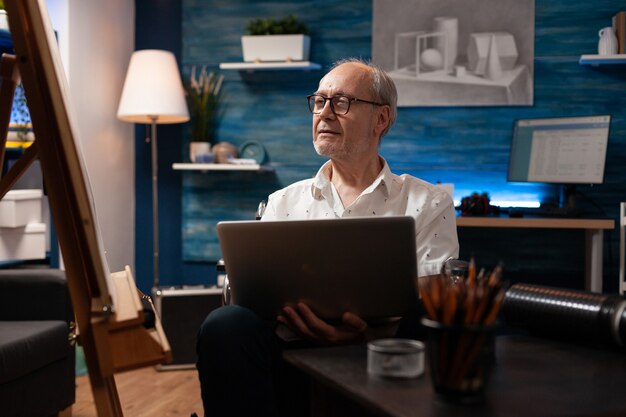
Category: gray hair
<point>383,88</point>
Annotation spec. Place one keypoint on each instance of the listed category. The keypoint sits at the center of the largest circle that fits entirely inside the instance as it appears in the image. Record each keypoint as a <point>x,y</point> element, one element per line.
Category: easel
<point>107,306</point>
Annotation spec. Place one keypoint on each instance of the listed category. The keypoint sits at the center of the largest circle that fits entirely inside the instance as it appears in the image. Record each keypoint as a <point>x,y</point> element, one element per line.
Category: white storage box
<point>279,48</point>
<point>20,207</point>
<point>23,243</point>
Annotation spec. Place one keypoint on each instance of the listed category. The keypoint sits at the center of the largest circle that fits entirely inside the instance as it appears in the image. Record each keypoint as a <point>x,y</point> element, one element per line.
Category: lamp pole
<point>155,202</point>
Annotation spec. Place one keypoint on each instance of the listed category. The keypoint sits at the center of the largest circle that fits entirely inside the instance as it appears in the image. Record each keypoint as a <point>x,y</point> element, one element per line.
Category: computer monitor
<point>565,151</point>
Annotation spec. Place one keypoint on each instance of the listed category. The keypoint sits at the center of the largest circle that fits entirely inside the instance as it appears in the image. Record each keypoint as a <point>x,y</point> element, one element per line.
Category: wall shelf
<point>596,60</point>
<point>270,66</point>
<point>180,166</point>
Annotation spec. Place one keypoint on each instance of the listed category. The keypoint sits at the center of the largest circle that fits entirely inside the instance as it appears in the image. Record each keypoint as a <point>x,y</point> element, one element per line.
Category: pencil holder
<point>460,360</point>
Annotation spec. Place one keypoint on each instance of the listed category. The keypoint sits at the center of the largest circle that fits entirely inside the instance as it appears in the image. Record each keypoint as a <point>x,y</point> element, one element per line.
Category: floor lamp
<point>153,94</point>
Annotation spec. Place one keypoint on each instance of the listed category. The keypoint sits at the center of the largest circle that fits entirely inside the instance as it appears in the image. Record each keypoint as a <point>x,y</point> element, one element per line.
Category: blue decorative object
<point>253,150</point>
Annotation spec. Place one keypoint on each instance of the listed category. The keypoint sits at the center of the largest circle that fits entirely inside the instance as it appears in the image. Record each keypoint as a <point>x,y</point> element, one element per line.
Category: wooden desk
<point>594,232</point>
<point>531,377</point>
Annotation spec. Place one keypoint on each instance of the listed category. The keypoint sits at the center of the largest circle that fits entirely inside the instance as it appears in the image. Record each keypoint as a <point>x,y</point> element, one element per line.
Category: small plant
<point>204,93</point>
<point>289,25</point>
<point>1,4</point>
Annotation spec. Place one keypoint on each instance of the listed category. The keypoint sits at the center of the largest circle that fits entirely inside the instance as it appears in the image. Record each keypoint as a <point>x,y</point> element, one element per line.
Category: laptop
<point>364,265</point>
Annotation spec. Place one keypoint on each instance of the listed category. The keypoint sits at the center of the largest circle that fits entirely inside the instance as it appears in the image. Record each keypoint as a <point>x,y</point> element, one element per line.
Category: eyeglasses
<point>339,105</point>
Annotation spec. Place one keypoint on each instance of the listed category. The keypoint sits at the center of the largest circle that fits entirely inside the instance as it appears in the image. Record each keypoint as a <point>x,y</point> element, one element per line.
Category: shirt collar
<point>321,181</point>
<point>384,179</point>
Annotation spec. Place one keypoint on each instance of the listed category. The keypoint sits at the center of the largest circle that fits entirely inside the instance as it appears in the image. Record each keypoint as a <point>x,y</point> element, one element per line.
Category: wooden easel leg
<point>18,168</point>
<point>100,370</point>
<point>105,396</point>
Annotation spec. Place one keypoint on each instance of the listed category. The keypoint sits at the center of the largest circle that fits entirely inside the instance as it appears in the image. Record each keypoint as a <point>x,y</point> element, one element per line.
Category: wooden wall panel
<point>467,146</point>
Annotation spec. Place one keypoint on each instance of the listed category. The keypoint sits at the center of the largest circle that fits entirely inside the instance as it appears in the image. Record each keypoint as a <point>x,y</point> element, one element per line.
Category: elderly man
<point>239,365</point>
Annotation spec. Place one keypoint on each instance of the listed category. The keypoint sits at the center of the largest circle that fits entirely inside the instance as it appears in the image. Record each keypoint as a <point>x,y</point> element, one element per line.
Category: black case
<point>182,311</point>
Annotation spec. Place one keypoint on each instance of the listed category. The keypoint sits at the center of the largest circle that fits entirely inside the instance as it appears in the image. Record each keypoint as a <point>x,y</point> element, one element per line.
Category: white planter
<point>275,48</point>
<point>200,152</point>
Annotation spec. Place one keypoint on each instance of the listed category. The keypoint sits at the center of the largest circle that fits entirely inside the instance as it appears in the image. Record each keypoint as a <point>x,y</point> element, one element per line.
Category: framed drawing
<point>456,52</point>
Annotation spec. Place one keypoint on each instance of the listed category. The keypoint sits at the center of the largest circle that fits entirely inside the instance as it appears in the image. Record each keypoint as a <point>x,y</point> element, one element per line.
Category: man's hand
<point>305,323</point>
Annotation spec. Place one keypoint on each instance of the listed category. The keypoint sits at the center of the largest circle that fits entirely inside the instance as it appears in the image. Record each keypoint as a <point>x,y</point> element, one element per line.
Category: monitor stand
<point>567,203</point>
<point>568,198</point>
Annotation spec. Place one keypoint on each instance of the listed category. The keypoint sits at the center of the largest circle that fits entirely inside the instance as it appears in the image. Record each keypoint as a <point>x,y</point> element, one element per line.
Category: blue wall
<point>463,145</point>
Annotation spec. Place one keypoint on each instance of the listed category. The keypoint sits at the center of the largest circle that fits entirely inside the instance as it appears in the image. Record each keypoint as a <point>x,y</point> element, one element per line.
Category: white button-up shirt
<point>389,195</point>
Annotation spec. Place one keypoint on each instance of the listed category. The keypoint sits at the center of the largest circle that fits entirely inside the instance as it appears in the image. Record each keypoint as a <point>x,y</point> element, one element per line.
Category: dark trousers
<point>241,370</point>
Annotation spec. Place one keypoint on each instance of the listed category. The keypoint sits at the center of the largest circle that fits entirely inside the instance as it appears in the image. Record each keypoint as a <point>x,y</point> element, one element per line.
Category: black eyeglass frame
<point>332,106</point>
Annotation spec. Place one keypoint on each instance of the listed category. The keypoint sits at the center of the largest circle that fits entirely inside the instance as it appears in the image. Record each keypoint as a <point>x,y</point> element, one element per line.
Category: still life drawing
<point>456,52</point>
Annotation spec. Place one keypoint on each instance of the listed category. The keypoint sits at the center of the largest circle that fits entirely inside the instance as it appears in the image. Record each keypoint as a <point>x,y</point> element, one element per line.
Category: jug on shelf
<point>607,45</point>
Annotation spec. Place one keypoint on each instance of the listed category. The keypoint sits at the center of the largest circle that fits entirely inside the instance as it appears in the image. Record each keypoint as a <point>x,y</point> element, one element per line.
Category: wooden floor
<point>147,392</point>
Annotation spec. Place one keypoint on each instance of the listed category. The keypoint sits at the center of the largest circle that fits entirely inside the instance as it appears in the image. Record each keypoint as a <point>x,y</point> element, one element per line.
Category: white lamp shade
<point>153,89</point>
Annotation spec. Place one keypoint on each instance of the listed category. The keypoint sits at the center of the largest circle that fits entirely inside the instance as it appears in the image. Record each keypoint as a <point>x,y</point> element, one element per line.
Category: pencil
<point>471,271</point>
<point>428,303</point>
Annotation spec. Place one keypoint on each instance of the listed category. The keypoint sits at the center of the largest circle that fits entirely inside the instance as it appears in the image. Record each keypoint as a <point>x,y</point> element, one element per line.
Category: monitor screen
<point>567,150</point>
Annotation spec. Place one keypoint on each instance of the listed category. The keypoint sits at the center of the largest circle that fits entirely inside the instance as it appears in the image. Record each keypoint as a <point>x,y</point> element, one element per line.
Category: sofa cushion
<point>26,346</point>
<point>34,294</point>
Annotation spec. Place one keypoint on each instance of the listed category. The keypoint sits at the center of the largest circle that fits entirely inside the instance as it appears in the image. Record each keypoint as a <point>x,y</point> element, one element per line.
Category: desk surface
<point>593,228</point>
<point>531,377</point>
<point>535,222</point>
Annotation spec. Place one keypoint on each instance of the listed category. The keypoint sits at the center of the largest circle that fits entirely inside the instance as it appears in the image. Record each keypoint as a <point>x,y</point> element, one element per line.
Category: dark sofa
<point>37,375</point>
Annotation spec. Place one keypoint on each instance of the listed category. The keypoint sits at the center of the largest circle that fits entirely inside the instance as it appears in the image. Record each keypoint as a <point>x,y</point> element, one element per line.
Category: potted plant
<point>276,40</point>
<point>204,93</point>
